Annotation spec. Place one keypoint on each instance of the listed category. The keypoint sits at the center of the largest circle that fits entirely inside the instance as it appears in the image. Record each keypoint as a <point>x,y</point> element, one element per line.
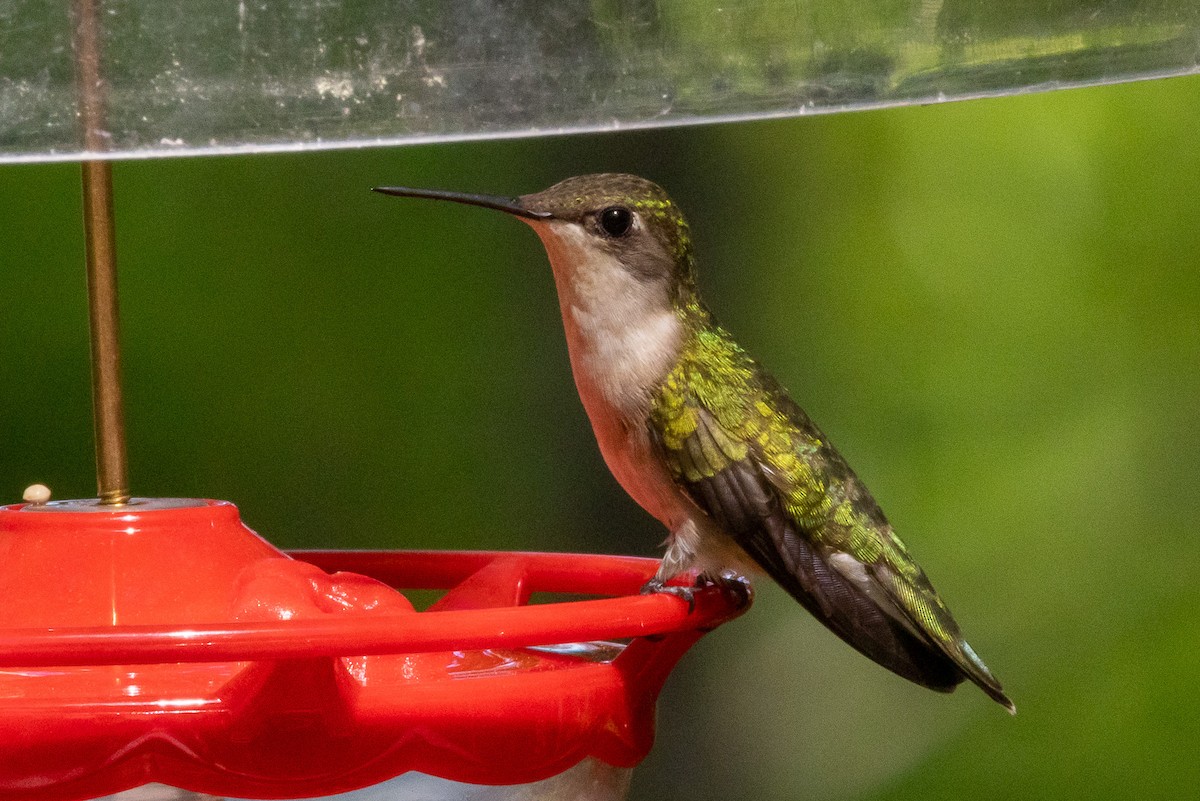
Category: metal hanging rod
<point>112,467</point>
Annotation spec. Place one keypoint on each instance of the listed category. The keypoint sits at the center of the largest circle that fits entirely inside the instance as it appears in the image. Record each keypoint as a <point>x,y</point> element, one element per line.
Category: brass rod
<point>112,471</point>
<point>112,468</point>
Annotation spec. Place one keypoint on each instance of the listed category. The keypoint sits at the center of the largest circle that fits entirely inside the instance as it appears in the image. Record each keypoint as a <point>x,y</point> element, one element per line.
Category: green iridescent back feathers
<point>752,459</point>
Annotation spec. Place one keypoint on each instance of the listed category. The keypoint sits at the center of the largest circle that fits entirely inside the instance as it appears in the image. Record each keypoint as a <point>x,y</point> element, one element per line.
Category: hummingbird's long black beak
<point>511,205</point>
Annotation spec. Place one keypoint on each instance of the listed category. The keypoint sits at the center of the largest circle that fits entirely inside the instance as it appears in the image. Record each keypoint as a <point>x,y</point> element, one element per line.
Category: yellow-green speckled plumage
<point>752,460</point>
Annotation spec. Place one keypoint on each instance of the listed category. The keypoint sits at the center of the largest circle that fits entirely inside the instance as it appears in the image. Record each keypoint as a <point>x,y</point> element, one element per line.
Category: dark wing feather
<point>737,494</point>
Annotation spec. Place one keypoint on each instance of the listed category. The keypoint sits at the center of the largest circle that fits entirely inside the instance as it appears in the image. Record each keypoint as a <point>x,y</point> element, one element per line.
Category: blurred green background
<point>991,307</point>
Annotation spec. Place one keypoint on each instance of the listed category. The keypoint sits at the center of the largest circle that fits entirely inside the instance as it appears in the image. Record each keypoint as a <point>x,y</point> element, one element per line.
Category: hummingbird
<point>710,444</point>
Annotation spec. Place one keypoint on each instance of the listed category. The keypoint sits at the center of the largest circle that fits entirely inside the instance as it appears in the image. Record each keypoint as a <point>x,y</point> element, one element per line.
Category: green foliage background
<point>992,307</point>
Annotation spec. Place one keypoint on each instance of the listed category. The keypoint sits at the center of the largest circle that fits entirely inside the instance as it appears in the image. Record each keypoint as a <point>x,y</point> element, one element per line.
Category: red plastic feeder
<point>165,643</point>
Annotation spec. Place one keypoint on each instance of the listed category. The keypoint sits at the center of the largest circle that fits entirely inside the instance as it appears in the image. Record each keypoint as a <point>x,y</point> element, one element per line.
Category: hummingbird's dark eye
<point>616,221</point>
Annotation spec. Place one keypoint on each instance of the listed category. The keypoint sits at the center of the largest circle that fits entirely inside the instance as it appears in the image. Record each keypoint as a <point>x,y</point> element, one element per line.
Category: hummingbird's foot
<point>656,585</point>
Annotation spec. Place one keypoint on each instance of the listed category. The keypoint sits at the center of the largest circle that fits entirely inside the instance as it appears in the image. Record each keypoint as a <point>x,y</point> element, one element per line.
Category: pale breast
<point>629,454</point>
<point>623,338</point>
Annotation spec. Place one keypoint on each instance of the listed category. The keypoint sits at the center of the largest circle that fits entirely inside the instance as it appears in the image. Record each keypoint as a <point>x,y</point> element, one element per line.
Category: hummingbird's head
<point>593,220</point>
<point>624,217</point>
<point>622,262</point>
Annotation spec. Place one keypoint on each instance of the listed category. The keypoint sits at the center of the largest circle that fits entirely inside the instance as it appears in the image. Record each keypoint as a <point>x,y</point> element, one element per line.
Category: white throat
<point>622,337</point>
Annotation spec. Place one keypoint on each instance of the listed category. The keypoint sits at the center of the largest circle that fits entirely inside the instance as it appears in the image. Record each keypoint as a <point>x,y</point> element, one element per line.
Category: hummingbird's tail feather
<point>913,601</point>
<point>978,672</point>
<point>740,498</point>
<point>851,613</point>
<point>877,600</point>
<point>872,608</point>
<point>874,627</point>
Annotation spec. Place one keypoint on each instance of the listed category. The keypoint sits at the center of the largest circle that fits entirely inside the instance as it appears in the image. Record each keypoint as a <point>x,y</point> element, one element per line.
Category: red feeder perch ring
<point>165,642</point>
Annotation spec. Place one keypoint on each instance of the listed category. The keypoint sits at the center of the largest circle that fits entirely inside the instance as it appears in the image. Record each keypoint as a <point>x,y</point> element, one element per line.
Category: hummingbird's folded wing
<point>769,479</point>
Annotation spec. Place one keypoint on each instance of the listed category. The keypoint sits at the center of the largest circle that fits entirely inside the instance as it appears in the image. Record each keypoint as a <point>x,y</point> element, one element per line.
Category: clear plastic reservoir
<point>590,780</point>
<point>235,75</point>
